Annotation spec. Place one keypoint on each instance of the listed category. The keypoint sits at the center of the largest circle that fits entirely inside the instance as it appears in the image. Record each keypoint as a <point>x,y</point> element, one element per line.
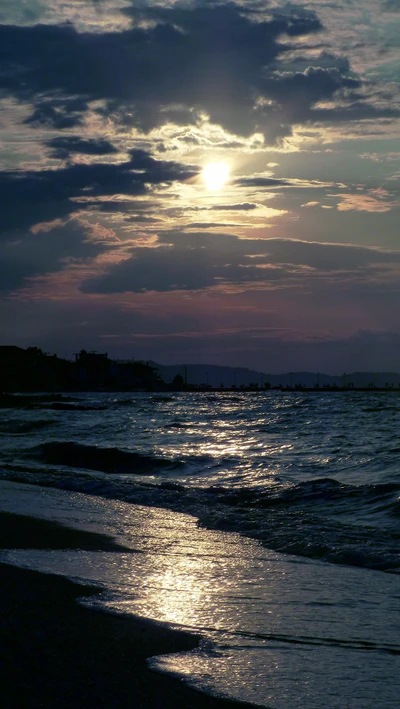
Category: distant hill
<point>214,375</point>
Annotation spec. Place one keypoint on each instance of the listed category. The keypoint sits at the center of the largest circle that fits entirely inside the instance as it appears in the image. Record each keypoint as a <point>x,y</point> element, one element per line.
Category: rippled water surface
<point>268,521</point>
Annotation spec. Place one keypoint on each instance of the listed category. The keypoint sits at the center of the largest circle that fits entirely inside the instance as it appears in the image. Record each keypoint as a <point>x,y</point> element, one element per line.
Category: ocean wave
<point>18,426</point>
<point>61,406</point>
<point>312,536</point>
<point>124,402</point>
<point>311,493</point>
<point>106,460</point>
<point>279,519</point>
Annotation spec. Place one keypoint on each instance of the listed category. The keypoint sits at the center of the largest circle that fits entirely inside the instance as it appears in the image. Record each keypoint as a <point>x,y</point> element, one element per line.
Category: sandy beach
<point>55,653</point>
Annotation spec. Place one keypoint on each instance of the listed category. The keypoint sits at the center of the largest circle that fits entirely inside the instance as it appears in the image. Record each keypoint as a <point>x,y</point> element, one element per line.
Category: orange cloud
<point>363,203</point>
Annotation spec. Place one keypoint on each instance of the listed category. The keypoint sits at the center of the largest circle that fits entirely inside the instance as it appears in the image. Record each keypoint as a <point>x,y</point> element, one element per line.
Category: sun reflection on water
<point>274,618</point>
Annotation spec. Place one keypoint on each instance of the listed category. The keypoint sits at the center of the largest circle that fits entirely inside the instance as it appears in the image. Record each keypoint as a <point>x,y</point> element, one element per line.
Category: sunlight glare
<point>215,175</point>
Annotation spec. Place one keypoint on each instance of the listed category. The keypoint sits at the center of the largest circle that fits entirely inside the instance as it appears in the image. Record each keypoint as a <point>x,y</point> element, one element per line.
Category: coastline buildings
<point>34,370</point>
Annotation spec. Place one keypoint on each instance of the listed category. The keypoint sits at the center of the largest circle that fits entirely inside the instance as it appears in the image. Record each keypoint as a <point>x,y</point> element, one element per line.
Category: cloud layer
<point>110,112</point>
<point>175,62</point>
<point>198,261</point>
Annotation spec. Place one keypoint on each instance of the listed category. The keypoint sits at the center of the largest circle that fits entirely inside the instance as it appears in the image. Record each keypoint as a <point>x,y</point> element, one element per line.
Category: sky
<point>202,181</point>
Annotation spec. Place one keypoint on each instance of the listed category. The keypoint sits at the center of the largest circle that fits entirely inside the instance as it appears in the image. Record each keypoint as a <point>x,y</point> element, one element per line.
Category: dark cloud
<point>143,219</point>
<point>218,58</point>
<point>63,146</point>
<point>316,255</point>
<point>125,206</point>
<point>57,113</point>
<point>45,252</point>
<point>212,225</point>
<point>185,264</point>
<point>242,207</point>
<point>198,261</point>
<point>295,95</point>
<point>301,62</point>
<point>262,182</point>
<point>357,111</point>
<point>46,194</point>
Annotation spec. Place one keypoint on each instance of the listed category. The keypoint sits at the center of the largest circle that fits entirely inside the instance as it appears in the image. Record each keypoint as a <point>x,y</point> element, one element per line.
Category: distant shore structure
<point>31,369</point>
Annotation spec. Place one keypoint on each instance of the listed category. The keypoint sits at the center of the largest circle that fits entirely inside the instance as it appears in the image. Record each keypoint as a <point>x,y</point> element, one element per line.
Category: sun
<point>215,175</point>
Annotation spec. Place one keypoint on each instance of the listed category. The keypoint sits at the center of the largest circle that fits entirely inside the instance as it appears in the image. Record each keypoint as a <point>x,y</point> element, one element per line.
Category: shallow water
<point>298,500</point>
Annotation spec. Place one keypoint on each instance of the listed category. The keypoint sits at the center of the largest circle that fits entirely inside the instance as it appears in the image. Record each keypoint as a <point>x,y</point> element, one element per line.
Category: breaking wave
<point>296,520</point>
<point>106,460</point>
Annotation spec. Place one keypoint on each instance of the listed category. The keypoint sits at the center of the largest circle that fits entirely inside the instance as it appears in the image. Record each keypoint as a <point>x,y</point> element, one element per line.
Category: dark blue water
<point>316,475</point>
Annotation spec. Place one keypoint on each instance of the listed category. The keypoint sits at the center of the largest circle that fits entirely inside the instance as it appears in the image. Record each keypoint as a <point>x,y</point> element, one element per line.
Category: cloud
<point>48,250</point>
<point>200,261</point>
<point>271,182</point>
<point>174,63</point>
<point>364,203</point>
<point>46,194</point>
<point>215,225</point>
<point>63,146</point>
<point>242,207</point>
<point>191,81</point>
<point>260,181</point>
<point>57,113</point>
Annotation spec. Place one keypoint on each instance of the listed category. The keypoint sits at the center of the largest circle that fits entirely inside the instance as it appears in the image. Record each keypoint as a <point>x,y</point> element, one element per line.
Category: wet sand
<point>56,654</point>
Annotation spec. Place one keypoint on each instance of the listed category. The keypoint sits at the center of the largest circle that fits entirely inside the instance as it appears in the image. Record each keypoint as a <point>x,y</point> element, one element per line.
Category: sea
<point>266,522</point>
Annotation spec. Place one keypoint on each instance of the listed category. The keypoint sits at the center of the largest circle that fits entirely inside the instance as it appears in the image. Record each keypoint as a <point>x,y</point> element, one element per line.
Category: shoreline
<point>55,652</point>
